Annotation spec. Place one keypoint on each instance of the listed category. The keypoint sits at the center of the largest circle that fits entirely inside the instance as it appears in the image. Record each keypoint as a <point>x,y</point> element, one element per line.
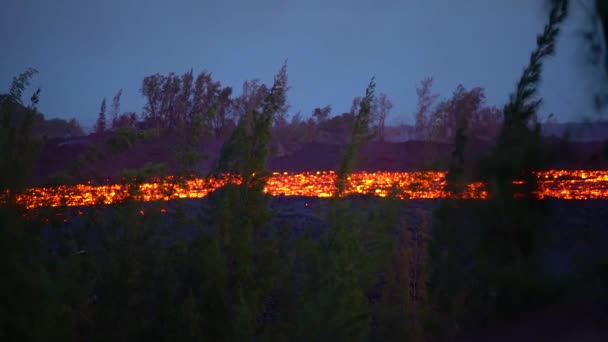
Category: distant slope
<point>48,128</point>
<point>92,157</point>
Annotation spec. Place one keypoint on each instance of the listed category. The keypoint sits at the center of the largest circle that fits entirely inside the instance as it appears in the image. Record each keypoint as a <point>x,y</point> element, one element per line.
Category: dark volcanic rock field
<point>575,232</point>
<point>575,236</point>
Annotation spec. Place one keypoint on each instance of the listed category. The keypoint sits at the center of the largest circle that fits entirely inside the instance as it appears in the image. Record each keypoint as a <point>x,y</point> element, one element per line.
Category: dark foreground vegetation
<point>242,266</point>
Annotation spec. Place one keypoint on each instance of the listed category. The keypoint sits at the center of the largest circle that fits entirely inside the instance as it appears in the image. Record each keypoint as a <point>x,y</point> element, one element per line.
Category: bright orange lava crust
<point>563,184</point>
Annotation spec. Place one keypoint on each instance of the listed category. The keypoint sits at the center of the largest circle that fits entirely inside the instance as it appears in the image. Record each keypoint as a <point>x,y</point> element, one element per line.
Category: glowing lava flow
<point>573,184</point>
<point>576,184</point>
<point>408,185</point>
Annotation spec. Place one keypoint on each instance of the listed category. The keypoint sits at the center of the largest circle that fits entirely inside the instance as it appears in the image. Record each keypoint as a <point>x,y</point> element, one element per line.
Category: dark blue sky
<point>88,49</point>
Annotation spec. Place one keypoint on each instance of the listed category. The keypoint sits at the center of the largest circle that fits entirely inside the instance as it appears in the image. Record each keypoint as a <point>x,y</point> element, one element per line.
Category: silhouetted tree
<point>321,114</point>
<point>75,128</point>
<point>337,129</point>
<point>334,304</point>
<point>17,147</point>
<point>426,103</point>
<point>115,108</point>
<point>372,118</point>
<point>185,98</point>
<point>100,125</point>
<point>516,134</point>
<point>384,106</point>
<point>247,149</point>
<point>440,121</point>
<point>243,240</point>
<point>468,108</point>
<point>379,109</point>
<point>151,89</point>
<point>510,237</point>
<point>33,307</point>
<point>251,98</point>
<point>174,102</point>
<point>202,100</point>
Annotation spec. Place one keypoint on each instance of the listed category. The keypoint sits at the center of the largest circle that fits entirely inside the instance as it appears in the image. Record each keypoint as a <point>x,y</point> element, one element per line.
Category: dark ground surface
<point>576,234</point>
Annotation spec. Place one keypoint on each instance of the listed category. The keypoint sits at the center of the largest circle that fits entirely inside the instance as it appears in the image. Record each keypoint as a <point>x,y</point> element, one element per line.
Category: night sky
<point>88,49</point>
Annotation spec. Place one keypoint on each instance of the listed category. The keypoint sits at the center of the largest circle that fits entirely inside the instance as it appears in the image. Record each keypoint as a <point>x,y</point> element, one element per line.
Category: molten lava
<point>577,184</point>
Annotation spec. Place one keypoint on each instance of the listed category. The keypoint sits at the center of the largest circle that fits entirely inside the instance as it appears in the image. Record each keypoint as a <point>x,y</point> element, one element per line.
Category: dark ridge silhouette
<point>93,152</point>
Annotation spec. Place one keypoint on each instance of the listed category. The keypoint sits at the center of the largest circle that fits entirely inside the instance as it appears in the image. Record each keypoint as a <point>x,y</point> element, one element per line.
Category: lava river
<point>563,184</point>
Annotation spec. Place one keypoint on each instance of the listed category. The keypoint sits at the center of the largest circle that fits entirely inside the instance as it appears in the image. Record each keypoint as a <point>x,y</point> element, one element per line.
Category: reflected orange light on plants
<point>571,184</point>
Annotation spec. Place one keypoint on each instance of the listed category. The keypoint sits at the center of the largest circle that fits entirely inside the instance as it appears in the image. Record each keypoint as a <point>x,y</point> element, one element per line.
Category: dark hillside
<point>96,157</point>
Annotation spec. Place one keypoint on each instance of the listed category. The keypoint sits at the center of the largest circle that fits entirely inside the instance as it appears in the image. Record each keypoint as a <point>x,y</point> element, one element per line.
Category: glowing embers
<point>404,184</point>
<point>87,194</point>
<point>562,184</point>
<point>576,184</point>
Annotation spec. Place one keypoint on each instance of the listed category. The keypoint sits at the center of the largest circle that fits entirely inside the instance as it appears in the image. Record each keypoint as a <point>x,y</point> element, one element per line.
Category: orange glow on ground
<point>571,184</point>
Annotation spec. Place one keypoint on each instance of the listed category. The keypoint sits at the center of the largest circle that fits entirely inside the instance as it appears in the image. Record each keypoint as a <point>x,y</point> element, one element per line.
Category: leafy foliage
<point>510,241</point>
<point>34,306</point>
<point>17,147</point>
<point>246,151</point>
